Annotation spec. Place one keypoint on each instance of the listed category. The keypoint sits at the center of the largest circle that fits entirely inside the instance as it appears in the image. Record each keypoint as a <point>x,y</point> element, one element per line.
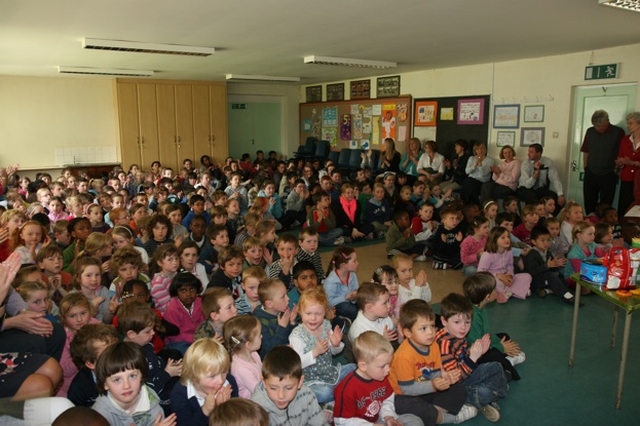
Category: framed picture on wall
<point>534,113</point>
<point>425,113</point>
<point>505,138</point>
<point>388,87</point>
<point>335,92</point>
<point>531,135</point>
<point>471,111</point>
<point>506,116</point>
<point>314,94</point>
<point>360,89</point>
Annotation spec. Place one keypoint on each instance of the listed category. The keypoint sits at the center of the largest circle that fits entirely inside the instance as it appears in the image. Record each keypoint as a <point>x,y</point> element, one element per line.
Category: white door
<point>254,123</point>
<point>618,100</point>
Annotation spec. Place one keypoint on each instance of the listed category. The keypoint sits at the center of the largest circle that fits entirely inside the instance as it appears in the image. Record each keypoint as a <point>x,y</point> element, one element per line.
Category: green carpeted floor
<point>551,393</point>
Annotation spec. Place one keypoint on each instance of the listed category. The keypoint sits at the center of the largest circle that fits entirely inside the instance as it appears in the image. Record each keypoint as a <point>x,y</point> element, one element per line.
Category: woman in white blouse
<point>505,177</point>
<point>431,164</point>
<point>478,172</point>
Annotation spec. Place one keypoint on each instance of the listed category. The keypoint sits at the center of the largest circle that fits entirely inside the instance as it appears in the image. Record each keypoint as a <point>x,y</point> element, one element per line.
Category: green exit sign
<point>238,106</point>
<point>601,72</point>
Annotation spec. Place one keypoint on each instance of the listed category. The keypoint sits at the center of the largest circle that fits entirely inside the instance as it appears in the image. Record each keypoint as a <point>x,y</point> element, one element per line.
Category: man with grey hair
<point>600,150</point>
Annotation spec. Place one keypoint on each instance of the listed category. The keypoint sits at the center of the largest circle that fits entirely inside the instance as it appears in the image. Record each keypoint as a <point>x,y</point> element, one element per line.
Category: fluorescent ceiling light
<point>633,5</point>
<point>137,47</point>
<point>105,71</point>
<point>360,63</point>
<point>240,77</point>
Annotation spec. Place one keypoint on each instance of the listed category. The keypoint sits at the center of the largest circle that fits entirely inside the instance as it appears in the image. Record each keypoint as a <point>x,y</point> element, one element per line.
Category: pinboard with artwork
<point>363,123</point>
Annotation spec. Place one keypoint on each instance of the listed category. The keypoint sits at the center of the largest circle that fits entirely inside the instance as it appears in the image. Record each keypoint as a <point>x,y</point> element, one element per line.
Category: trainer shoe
<point>490,412</point>
<point>421,258</point>
<point>518,359</point>
<point>466,412</point>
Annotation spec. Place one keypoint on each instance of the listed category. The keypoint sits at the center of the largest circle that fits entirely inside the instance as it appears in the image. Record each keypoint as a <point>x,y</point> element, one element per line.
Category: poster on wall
<point>356,126</point>
<point>316,124</point>
<point>366,120</point>
<point>506,116</point>
<point>403,112</point>
<point>425,113</point>
<point>365,145</point>
<point>345,127</point>
<point>330,117</point>
<point>470,111</point>
<point>446,114</point>
<point>375,130</point>
<point>389,121</point>
<point>330,134</point>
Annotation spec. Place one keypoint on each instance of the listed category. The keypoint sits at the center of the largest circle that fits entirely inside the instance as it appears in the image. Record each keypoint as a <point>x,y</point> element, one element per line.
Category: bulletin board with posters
<point>361,123</point>
<point>446,120</point>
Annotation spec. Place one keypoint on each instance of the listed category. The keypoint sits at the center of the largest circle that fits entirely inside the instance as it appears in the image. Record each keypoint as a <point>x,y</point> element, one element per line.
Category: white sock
<point>43,411</point>
<point>568,295</point>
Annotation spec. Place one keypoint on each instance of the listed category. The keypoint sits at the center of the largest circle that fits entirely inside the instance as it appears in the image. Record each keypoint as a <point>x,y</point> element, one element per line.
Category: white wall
<point>529,81</point>
<point>38,115</point>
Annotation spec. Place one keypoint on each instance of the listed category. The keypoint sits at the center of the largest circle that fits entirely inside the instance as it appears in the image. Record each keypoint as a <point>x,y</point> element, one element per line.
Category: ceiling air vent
<point>137,47</point>
<point>105,71</point>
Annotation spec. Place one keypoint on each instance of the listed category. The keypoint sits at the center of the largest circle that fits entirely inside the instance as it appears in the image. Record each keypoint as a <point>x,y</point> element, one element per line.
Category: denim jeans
<point>347,309</point>
<point>324,391</point>
<point>328,237</point>
<point>486,384</point>
<point>469,270</point>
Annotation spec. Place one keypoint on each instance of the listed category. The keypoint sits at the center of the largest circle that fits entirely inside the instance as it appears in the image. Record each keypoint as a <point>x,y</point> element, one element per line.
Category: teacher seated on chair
<point>478,172</point>
<point>431,163</point>
<point>504,179</point>
<point>539,178</point>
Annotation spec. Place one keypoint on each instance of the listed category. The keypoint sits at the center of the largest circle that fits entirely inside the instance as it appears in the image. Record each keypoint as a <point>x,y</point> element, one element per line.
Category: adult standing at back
<point>431,163</point>
<point>628,161</point>
<point>409,160</point>
<point>600,150</point>
<point>539,178</point>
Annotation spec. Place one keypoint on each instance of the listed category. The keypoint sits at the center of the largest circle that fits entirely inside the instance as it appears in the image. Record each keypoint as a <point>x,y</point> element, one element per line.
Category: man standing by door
<point>539,178</point>
<point>600,150</point>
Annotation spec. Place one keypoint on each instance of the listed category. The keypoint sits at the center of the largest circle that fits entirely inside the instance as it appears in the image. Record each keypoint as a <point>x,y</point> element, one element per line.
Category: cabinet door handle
<point>213,138</point>
<point>138,141</point>
<point>142,141</point>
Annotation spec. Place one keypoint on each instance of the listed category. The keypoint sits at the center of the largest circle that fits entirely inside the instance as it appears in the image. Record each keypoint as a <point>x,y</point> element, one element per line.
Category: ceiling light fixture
<point>105,71</point>
<point>137,47</point>
<point>240,77</point>
<point>346,62</point>
<point>633,5</point>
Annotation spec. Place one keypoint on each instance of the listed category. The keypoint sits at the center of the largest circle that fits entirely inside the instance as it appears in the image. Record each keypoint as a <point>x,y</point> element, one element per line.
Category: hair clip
<point>378,272</point>
<point>234,340</point>
<point>346,256</point>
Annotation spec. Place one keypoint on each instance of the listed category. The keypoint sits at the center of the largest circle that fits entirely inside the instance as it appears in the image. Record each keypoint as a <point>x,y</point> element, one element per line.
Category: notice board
<point>358,123</point>
<point>446,120</point>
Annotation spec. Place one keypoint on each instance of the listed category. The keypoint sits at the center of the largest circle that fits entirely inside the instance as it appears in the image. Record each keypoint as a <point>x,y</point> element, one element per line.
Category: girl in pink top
<point>243,338</point>
<point>498,260</point>
<point>472,246</point>
<point>75,313</point>
<point>184,310</point>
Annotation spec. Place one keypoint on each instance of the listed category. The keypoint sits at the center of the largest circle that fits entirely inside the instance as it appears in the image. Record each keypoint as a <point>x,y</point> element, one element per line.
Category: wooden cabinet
<point>170,121</point>
<point>210,121</point>
<point>138,124</point>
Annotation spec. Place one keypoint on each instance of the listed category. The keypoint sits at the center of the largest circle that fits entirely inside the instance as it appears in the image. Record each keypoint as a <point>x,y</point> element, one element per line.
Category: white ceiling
<point>270,37</point>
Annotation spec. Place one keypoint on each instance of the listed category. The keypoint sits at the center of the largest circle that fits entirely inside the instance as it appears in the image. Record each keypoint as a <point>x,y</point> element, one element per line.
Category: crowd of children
<point>180,304</point>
